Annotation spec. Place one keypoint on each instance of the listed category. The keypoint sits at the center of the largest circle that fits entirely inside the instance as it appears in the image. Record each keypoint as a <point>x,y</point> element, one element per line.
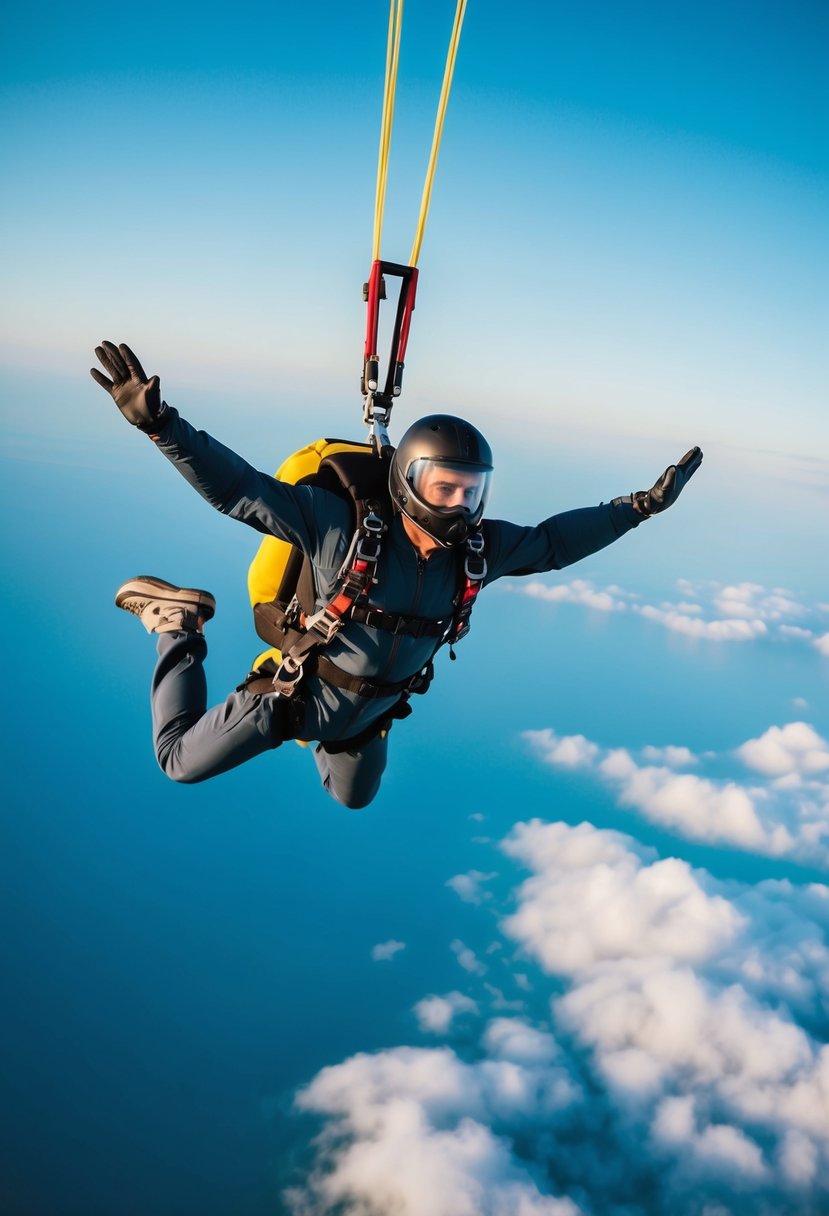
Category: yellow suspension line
<point>389,89</point>
<point>436,138</point>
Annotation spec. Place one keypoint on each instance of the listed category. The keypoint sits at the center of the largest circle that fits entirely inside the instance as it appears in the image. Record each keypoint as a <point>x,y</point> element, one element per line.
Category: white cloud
<point>821,644</point>
<point>469,886</point>
<point>737,600</point>
<point>579,591</point>
<point>751,600</point>
<point>435,1014</point>
<point>384,951</point>
<point>728,630</point>
<point>674,757</point>
<point>798,1158</point>
<point>518,1041</point>
<point>569,751</point>
<point>626,909</point>
<point>410,1132</point>
<point>787,815</point>
<point>687,587</point>
<point>794,748</point>
<point>788,964</point>
<point>719,1148</point>
<point>709,611</point>
<point>708,1061</point>
<point>700,809</point>
<point>467,958</point>
<point>500,1003</point>
<point>667,1075</point>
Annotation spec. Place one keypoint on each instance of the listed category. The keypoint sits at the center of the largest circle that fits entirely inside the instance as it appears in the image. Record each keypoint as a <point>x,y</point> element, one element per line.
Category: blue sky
<point>624,257</point>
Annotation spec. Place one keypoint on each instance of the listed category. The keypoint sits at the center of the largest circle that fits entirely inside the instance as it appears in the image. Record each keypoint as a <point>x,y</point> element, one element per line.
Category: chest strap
<point>412,626</point>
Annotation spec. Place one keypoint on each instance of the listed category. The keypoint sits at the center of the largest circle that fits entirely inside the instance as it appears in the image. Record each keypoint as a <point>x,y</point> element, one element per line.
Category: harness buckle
<point>475,563</point>
<point>368,544</point>
<point>287,678</point>
<point>324,623</point>
<point>421,680</point>
<point>368,549</point>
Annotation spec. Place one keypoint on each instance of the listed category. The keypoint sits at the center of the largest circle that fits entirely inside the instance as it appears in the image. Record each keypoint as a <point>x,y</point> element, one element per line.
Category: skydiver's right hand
<point>137,396</point>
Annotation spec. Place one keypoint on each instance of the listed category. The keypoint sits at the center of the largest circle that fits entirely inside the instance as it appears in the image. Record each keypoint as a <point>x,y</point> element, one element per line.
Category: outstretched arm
<point>567,538</point>
<point>223,478</point>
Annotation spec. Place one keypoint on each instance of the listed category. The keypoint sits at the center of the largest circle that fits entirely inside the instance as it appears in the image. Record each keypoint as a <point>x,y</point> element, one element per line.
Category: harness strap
<point>360,573</point>
<point>412,626</point>
<point>301,647</point>
<point>474,573</point>
<point>381,727</point>
<point>261,681</point>
<point>364,686</point>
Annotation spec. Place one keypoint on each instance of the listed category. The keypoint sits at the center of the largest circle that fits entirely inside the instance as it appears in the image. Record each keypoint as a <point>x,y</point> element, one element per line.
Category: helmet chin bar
<point>456,532</point>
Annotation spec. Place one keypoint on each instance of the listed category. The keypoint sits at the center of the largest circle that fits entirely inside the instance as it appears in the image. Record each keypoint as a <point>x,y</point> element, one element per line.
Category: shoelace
<point>172,613</point>
<point>136,607</point>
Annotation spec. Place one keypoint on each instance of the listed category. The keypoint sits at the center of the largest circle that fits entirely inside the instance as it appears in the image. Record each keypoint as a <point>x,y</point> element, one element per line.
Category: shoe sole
<point>159,589</point>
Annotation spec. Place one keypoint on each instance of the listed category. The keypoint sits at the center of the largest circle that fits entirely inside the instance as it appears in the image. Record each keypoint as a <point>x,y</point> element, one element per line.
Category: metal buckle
<point>475,564</point>
<point>325,624</point>
<point>377,415</point>
<point>368,548</point>
<point>368,544</point>
<point>287,678</point>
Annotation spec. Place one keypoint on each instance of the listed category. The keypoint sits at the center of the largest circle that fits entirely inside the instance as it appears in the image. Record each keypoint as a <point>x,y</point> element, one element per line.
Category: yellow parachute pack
<point>275,571</point>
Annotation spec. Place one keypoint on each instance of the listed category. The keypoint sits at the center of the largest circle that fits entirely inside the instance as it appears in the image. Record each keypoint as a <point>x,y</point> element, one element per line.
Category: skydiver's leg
<point>193,743</point>
<point>353,778</point>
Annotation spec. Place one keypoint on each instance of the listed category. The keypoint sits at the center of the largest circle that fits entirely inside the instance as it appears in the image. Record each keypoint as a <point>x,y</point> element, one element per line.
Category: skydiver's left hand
<point>137,396</point>
<point>667,489</point>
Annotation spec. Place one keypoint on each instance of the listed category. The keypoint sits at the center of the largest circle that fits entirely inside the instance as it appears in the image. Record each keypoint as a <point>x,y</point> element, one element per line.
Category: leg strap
<point>381,727</point>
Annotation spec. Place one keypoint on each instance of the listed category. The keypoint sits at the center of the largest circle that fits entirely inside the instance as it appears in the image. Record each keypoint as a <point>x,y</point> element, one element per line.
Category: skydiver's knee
<point>172,765</point>
<point>355,802</point>
<point>354,797</point>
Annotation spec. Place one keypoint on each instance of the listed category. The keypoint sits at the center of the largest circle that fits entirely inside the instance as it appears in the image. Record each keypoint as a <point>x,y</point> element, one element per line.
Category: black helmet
<point>440,476</point>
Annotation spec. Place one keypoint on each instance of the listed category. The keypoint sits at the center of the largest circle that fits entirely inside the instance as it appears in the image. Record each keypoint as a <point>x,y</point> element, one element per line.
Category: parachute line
<point>389,91</point>
<point>438,132</point>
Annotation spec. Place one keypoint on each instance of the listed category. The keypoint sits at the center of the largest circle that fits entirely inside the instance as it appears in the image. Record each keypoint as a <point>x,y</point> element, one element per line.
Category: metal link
<point>475,564</point>
<point>287,678</point>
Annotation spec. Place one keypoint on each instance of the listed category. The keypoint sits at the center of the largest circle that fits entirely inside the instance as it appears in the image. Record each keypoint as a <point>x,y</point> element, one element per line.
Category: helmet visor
<point>449,486</point>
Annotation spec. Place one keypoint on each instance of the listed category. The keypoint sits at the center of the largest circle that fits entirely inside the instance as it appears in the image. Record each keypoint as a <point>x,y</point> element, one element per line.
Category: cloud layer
<point>781,810</point>
<point>671,1062</point>
<point>707,610</point>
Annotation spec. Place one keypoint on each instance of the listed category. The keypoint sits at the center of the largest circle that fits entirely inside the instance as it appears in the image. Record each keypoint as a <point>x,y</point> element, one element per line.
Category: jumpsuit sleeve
<point>557,542</point>
<point>301,515</point>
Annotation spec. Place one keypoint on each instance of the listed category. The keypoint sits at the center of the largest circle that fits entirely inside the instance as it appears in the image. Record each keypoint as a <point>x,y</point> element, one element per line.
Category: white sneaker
<point>164,608</point>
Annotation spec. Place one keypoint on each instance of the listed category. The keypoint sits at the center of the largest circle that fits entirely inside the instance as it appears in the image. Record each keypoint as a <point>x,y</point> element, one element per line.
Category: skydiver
<point>439,485</point>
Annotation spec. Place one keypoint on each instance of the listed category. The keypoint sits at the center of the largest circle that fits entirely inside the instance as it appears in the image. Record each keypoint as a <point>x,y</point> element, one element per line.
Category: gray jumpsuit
<point>193,743</point>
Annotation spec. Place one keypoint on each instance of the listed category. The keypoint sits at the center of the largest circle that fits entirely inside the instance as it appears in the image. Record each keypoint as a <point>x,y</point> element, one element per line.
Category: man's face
<point>446,487</point>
